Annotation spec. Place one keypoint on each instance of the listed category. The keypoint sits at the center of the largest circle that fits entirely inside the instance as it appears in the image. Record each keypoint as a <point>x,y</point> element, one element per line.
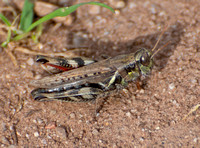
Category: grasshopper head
<point>144,61</point>
<point>144,58</point>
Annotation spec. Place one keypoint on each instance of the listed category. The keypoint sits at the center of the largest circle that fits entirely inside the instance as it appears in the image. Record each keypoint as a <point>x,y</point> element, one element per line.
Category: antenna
<point>160,49</point>
<point>160,37</point>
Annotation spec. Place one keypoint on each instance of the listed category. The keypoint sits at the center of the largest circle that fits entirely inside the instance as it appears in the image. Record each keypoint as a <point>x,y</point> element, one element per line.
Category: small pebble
<point>72,115</point>
<point>120,4</point>
<point>195,140</point>
<point>171,86</point>
<point>114,47</point>
<point>128,114</point>
<point>44,141</point>
<point>153,10</point>
<point>193,81</point>
<point>142,91</point>
<point>61,132</point>
<point>11,127</point>
<point>51,125</point>
<point>95,132</point>
<point>162,13</point>
<point>36,134</point>
<point>39,120</point>
<point>49,137</point>
<point>23,65</point>
<point>38,77</point>
<point>94,10</point>
<point>7,76</point>
<point>30,61</point>
<point>43,8</point>
<point>106,124</point>
<point>156,102</point>
<point>117,12</point>
<point>157,128</point>
<point>80,121</point>
<point>68,20</point>
<point>27,136</point>
<point>141,139</point>
<point>133,97</point>
<point>34,121</point>
<point>133,110</point>
<point>143,129</point>
<point>117,4</point>
<point>132,5</point>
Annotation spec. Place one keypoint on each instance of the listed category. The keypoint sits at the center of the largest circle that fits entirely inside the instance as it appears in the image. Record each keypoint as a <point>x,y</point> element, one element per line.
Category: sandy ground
<point>152,116</point>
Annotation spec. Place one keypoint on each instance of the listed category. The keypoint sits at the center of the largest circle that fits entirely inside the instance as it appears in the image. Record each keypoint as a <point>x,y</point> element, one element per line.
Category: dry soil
<point>152,116</point>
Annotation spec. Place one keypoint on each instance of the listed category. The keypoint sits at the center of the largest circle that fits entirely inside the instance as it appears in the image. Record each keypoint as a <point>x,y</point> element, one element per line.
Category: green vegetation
<point>27,24</point>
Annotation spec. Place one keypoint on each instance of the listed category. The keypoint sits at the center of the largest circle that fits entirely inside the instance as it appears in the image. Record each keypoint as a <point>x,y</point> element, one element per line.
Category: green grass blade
<point>64,12</point>
<point>35,35</point>
<point>4,44</point>
<point>21,36</point>
<point>27,15</point>
<point>5,20</point>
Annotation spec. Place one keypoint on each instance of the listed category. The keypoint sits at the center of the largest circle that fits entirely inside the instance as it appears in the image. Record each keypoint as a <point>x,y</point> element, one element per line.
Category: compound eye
<point>145,59</point>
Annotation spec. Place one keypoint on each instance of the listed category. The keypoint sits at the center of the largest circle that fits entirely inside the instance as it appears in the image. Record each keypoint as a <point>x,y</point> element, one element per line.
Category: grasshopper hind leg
<point>84,94</point>
<point>64,64</point>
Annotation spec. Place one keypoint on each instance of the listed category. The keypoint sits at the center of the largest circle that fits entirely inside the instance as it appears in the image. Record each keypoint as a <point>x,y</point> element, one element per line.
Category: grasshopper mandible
<point>91,78</point>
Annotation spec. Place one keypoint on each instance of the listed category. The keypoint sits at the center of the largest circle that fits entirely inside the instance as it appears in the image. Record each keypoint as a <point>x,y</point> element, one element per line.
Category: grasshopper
<point>88,79</point>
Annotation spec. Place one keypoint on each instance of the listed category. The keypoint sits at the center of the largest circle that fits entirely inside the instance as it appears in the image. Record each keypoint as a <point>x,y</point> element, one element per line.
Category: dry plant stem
<point>57,25</point>
<point>3,33</point>
<point>13,28</point>
<point>28,51</point>
<point>9,8</point>
<point>192,110</point>
<point>13,58</point>
<point>10,47</point>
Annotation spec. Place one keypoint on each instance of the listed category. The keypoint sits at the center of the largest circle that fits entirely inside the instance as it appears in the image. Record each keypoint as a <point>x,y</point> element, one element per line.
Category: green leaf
<point>64,12</point>
<point>5,20</point>
<point>27,15</point>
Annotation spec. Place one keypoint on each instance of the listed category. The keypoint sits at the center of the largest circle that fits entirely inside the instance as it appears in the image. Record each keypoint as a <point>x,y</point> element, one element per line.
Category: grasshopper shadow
<point>96,49</point>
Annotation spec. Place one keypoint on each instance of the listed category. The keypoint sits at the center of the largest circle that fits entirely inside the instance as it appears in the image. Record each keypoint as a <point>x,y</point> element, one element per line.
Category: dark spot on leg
<point>41,59</point>
<point>79,61</point>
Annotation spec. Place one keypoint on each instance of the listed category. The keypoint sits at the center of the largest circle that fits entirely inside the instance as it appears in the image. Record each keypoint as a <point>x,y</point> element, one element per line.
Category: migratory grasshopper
<point>92,78</point>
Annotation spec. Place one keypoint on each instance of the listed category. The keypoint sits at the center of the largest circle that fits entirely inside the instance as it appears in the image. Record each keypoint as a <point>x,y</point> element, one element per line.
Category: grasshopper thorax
<point>144,61</point>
